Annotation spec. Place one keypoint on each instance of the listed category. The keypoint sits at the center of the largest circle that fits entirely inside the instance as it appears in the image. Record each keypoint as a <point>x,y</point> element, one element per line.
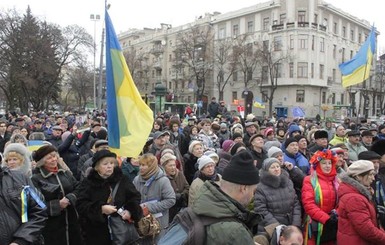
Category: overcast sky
<point>150,13</point>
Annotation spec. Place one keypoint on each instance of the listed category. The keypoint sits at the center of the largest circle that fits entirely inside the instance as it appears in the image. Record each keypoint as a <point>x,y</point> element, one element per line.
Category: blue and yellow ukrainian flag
<point>129,118</point>
<point>258,103</point>
<point>357,69</point>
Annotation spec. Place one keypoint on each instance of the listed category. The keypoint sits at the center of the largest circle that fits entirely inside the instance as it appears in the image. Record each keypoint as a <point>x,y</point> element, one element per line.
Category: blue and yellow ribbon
<point>27,190</point>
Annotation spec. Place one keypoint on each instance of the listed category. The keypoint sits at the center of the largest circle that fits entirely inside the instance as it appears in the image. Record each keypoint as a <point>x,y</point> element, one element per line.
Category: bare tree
<point>80,83</point>
<point>138,65</point>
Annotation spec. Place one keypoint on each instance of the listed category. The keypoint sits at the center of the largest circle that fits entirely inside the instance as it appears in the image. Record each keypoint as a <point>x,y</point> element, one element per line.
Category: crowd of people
<point>271,181</point>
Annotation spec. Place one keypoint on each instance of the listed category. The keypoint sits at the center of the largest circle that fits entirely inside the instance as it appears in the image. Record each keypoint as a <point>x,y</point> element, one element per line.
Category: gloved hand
<point>333,215</point>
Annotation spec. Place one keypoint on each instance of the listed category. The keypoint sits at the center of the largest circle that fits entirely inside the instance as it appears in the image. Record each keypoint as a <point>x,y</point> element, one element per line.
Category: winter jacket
<point>159,190</point>
<point>94,193</point>
<point>12,229</point>
<point>258,157</point>
<point>354,150</point>
<point>61,224</point>
<point>129,170</point>
<point>213,109</point>
<point>337,140</point>
<point>181,188</point>
<point>357,218</point>
<point>81,162</point>
<point>276,200</point>
<point>70,153</point>
<point>189,167</point>
<point>195,187</point>
<point>297,160</point>
<point>224,160</point>
<point>213,202</point>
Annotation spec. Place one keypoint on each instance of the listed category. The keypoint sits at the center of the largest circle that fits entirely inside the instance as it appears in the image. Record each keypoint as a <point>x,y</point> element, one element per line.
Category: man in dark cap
<point>321,141</point>
<point>56,139</point>
<point>367,139</point>
<point>354,145</point>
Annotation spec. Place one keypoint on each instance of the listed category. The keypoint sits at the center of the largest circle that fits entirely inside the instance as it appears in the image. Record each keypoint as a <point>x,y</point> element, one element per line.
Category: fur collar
<point>356,185</point>
<point>274,181</point>
<point>96,180</point>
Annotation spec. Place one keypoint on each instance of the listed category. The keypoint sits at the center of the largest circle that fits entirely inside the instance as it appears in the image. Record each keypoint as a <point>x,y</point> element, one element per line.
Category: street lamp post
<point>160,91</point>
<point>94,18</point>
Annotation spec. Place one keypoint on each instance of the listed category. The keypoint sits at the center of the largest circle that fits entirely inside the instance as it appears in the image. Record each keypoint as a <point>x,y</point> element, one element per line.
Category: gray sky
<point>150,13</point>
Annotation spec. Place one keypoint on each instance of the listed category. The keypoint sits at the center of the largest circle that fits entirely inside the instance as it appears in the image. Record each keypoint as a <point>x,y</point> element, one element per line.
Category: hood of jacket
<point>352,185</point>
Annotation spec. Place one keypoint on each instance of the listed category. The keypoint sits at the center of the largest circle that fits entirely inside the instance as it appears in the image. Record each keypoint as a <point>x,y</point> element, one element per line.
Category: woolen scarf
<point>151,171</point>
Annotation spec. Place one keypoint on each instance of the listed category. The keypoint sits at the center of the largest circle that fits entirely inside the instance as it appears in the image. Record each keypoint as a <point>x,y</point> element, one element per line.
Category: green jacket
<point>337,140</point>
<point>213,202</point>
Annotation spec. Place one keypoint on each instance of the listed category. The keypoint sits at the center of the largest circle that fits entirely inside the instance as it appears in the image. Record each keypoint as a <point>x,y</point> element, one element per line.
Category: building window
<point>221,33</point>
<point>312,42</point>
<point>277,43</point>
<point>322,44</point>
<point>265,74</point>
<point>321,71</point>
<point>266,23</point>
<point>343,54</point>
<point>303,39</point>
<point>291,69</point>
<point>300,96</point>
<point>342,99</point>
<point>249,74</point>
<point>301,16</point>
<point>359,37</point>
<point>335,28</point>
<point>334,51</point>
<point>302,70</point>
<point>343,31</point>
<point>312,70</point>
<point>315,18</point>
<point>282,18</point>
<point>333,98</point>
<point>351,54</point>
<point>291,41</point>
<point>235,95</point>
<point>170,85</point>
<point>323,97</point>
<point>235,30</point>
<point>170,57</point>
<point>235,76</point>
<point>352,35</point>
<point>266,45</point>
<point>278,68</point>
<point>334,72</point>
<point>250,26</point>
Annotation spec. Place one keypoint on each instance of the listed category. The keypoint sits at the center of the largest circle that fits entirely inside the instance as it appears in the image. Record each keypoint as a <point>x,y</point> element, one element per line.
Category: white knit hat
<point>166,157</point>
<point>360,167</point>
<point>194,143</point>
<point>203,161</point>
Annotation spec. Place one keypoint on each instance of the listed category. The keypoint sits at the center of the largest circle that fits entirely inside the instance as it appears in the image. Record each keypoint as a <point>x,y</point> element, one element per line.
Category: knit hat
<point>368,155</point>
<point>227,144</point>
<point>320,134</point>
<point>236,146</point>
<point>270,143</point>
<point>290,140</point>
<point>100,155</point>
<point>203,161</point>
<point>294,128</point>
<point>379,147</point>
<point>99,143</point>
<point>213,155</point>
<point>43,151</point>
<point>223,125</point>
<point>237,135</point>
<point>274,152</point>
<point>241,170</point>
<point>268,162</point>
<point>269,131</point>
<point>255,136</point>
<point>360,167</point>
<point>194,143</point>
<point>166,157</point>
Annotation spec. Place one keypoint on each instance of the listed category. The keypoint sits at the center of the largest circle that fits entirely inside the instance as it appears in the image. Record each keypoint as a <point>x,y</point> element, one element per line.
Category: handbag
<point>121,231</point>
<point>148,226</point>
<point>329,231</point>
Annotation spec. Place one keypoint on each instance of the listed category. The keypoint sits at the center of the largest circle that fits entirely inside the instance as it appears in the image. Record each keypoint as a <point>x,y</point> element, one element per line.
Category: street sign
<point>200,103</point>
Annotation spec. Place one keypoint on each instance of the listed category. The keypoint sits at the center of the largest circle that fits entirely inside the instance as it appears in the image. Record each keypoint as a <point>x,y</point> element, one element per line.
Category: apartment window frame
<point>266,23</point>
<point>235,30</point>
<point>250,26</point>
<point>291,70</point>
<point>322,44</point>
<point>277,43</point>
<point>302,69</point>
<point>301,16</point>
<point>291,41</point>
<point>303,41</point>
<point>321,71</point>
<point>300,96</point>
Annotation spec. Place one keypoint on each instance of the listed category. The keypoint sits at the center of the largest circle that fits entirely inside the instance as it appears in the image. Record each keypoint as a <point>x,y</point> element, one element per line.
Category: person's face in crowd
<point>156,126</point>
<point>247,193</point>
<point>209,169</point>
<point>175,127</point>
<point>302,144</point>
<point>38,125</point>
<point>3,128</point>
<point>367,179</point>
<point>374,133</point>
<point>292,148</point>
<point>56,133</point>
<point>238,139</point>
<point>322,142</point>
<point>24,132</point>
<point>105,167</point>
<point>51,159</point>
<point>102,147</point>
<point>275,169</point>
<point>382,131</point>
<point>96,128</point>
<point>340,131</point>
<point>167,138</point>
<point>14,160</point>
<point>270,136</point>
<point>170,167</point>
<point>355,139</point>
<point>207,127</point>
<point>20,123</point>
<point>281,133</point>
<point>302,123</point>
<point>194,131</point>
<point>191,122</point>
<point>257,142</point>
<point>160,141</point>
<point>16,131</point>
<point>251,129</point>
<point>296,238</point>
<point>64,126</point>
<point>279,157</point>
<point>197,150</point>
<point>341,160</point>
<point>59,120</point>
<point>328,125</point>
<point>326,166</point>
<point>295,133</point>
<point>368,140</point>
<point>143,168</point>
<point>376,164</point>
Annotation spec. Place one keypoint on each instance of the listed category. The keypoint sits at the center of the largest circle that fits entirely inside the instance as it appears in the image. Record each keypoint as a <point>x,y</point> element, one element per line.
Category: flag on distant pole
<point>129,118</point>
<point>258,103</point>
<point>357,70</point>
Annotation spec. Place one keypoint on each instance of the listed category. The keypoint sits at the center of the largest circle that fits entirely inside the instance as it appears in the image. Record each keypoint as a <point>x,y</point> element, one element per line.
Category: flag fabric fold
<point>129,118</point>
<point>258,103</point>
<point>357,70</point>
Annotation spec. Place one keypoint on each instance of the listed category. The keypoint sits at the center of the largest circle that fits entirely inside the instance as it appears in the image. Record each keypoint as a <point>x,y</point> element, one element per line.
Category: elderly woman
<point>206,168</point>
<point>356,210</point>
<point>156,191</point>
<point>275,198</point>
<point>178,183</point>
<point>319,199</point>
<point>195,151</point>
<point>59,188</point>
<point>95,202</point>
<point>17,157</point>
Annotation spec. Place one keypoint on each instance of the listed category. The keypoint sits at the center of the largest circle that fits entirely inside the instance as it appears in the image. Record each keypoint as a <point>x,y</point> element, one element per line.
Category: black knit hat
<point>368,155</point>
<point>236,135</point>
<point>235,147</point>
<point>241,170</point>
<point>320,134</point>
<point>101,154</point>
<point>290,140</point>
<point>42,152</point>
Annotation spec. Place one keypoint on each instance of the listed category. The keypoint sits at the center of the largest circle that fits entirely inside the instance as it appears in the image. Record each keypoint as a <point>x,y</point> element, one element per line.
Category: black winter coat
<point>61,223</point>
<point>189,167</point>
<point>94,193</point>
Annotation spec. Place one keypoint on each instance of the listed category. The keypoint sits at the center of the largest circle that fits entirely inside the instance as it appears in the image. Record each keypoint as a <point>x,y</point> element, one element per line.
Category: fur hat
<point>203,161</point>
<point>241,169</point>
<point>23,151</point>
<point>100,155</point>
<point>320,134</point>
<point>360,167</point>
<point>227,144</point>
<point>193,144</point>
<point>274,151</point>
<point>43,151</point>
<point>268,162</point>
<point>166,157</point>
